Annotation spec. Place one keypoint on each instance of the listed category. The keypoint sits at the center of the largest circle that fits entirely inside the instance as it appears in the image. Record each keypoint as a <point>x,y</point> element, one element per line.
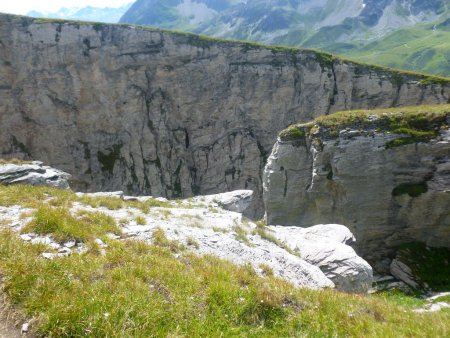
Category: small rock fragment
<point>25,328</point>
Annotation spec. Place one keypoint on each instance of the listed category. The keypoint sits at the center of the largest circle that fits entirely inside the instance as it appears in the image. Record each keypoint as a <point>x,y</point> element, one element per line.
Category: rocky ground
<point>320,256</point>
<point>317,257</point>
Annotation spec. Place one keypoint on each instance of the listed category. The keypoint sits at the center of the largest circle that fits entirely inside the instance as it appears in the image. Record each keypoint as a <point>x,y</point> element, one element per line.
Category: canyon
<point>160,113</point>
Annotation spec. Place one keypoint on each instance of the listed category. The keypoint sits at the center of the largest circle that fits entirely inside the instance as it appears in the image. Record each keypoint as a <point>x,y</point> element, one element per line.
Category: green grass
<point>63,226</point>
<point>141,220</point>
<point>134,289</point>
<point>294,132</point>
<point>160,239</point>
<point>419,123</point>
<point>241,234</point>
<point>33,197</point>
<point>141,290</point>
<point>415,48</point>
<point>442,299</point>
<point>111,203</point>
<point>14,161</point>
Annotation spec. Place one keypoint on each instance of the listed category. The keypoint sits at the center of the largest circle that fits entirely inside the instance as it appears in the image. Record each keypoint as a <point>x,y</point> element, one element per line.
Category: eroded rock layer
<point>158,113</point>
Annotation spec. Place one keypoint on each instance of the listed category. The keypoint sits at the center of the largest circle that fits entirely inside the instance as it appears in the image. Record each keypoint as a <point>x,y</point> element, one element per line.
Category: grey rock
<point>404,273</point>
<point>26,237</point>
<point>165,114</point>
<point>358,182</point>
<point>336,232</point>
<point>33,174</point>
<point>339,262</point>
<point>137,198</point>
<point>100,243</point>
<point>238,200</point>
<point>112,194</point>
<point>433,307</point>
<point>70,244</point>
<point>395,285</point>
<point>25,328</point>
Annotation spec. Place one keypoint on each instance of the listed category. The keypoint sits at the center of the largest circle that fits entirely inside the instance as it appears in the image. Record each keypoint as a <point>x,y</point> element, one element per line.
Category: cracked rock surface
<point>386,196</point>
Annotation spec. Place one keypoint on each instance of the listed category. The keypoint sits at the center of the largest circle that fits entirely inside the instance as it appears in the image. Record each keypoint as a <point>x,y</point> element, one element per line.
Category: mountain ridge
<point>88,13</point>
<point>349,25</point>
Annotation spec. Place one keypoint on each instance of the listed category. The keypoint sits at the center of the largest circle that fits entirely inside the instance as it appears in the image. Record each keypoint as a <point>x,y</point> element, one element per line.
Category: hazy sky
<point>24,6</point>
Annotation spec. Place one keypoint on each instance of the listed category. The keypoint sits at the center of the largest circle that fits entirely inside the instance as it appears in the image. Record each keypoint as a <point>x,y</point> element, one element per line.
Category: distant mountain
<point>107,14</point>
<point>424,47</point>
<point>349,27</point>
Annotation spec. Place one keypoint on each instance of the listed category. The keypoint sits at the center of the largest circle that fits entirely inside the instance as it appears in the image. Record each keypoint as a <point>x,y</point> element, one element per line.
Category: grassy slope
<point>138,289</point>
<point>419,48</point>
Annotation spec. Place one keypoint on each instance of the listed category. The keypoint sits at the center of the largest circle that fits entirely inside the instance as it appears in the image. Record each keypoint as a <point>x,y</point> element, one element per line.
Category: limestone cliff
<point>385,174</point>
<point>170,114</point>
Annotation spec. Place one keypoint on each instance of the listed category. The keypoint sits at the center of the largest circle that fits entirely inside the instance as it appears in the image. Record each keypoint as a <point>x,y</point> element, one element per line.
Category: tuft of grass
<point>142,290</point>
<point>63,226</point>
<point>221,230</point>
<point>266,270</point>
<point>191,241</point>
<point>141,220</point>
<point>165,213</point>
<point>241,235</point>
<point>294,132</point>
<point>160,239</point>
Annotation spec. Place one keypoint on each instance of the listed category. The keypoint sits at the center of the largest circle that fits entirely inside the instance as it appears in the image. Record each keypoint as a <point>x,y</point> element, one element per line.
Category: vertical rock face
<point>152,112</point>
<point>385,194</point>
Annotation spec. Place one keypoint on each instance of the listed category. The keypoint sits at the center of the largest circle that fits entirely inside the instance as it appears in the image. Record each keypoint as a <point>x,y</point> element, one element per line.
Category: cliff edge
<point>383,173</point>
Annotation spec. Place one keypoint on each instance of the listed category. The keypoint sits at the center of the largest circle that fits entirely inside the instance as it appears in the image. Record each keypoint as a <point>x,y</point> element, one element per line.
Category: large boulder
<point>34,173</point>
<point>237,201</point>
<point>325,247</point>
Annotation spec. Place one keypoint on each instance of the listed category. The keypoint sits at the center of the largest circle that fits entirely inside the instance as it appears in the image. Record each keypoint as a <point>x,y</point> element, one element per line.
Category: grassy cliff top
<point>422,122</point>
<point>325,59</point>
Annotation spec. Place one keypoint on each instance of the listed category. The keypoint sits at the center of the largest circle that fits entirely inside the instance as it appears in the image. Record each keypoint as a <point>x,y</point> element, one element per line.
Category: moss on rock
<point>419,123</point>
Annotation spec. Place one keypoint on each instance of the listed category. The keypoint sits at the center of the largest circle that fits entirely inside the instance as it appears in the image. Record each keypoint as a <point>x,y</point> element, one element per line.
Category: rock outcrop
<point>169,114</point>
<point>324,246</point>
<point>34,173</point>
<point>404,273</point>
<point>387,181</point>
